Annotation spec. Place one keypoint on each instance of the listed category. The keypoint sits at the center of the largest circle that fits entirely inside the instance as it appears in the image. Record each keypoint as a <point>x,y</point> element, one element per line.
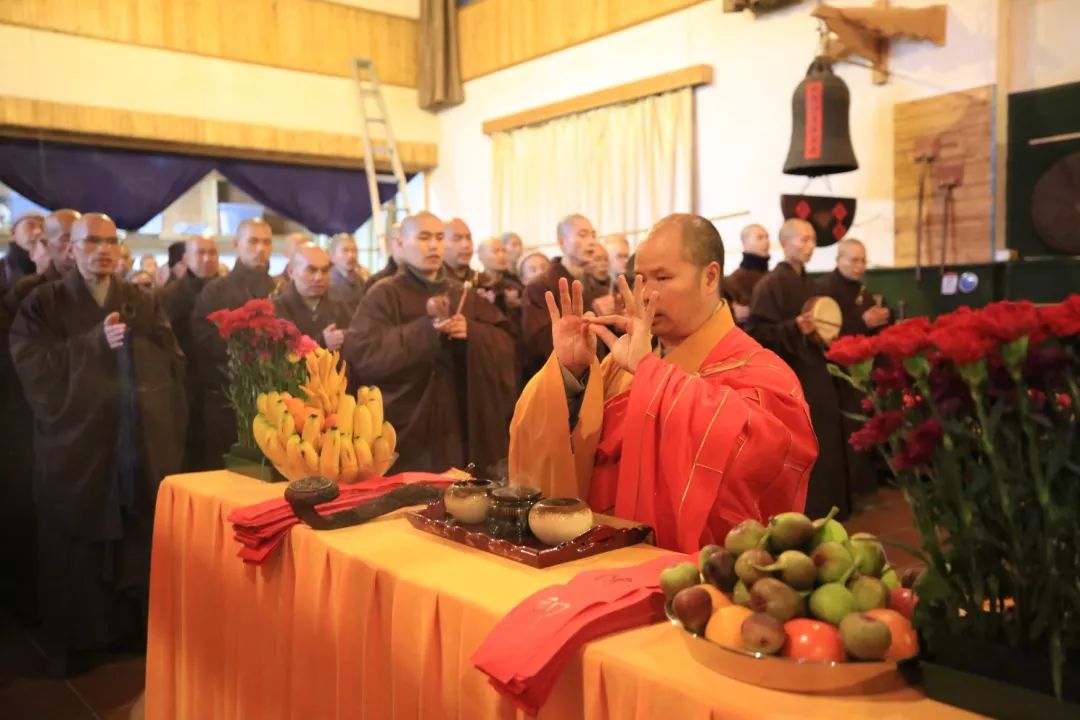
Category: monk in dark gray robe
<point>861,316</point>
<point>307,302</point>
<point>346,281</point>
<point>739,286</point>
<point>778,321</point>
<point>104,377</point>
<point>248,280</point>
<point>447,376</point>
<point>200,260</point>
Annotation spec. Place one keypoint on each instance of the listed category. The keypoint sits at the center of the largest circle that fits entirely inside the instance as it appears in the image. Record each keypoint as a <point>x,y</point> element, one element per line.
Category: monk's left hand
<point>334,338</point>
<point>456,326</point>
<point>627,351</point>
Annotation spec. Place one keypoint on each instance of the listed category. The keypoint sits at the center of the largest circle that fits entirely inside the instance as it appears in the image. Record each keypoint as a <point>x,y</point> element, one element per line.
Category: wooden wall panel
<point>964,121</point>
<point>109,127</point>
<point>495,34</point>
<point>307,35</point>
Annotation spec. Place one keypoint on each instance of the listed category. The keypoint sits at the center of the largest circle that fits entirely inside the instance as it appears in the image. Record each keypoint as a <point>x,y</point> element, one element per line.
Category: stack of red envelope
<point>526,651</point>
<point>261,527</point>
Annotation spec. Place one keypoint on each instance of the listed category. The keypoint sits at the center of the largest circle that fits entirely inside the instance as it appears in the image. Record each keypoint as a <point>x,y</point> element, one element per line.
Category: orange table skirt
<point>379,621</point>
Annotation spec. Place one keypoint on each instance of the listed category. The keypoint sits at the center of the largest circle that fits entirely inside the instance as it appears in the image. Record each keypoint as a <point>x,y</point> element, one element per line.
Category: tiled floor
<point>114,691</point>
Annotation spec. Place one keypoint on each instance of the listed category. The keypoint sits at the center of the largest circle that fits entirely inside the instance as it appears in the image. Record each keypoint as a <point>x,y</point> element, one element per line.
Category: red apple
<point>903,601</point>
<point>812,640</point>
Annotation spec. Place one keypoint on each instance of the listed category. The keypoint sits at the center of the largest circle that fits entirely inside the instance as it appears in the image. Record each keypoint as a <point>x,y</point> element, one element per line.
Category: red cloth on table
<point>526,651</point>
<point>261,527</point>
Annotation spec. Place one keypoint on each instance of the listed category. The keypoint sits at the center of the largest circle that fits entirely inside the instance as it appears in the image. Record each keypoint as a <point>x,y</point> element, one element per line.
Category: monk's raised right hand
<point>575,346</point>
<point>114,331</point>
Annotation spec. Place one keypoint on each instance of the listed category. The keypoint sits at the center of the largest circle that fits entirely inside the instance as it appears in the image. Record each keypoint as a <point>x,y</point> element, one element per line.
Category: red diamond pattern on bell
<point>802,209</point>
<point>839,231</point>
<point>839,211</point>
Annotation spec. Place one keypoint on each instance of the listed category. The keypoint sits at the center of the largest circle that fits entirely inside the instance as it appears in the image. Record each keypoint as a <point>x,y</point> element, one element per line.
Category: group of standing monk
<point>123,386</point>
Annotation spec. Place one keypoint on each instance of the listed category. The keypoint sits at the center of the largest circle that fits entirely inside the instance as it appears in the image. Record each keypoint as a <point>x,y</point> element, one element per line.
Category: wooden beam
<point>687,77</point>
<point>109,127</point>
<point>497,34</point>
<point>314,36</point>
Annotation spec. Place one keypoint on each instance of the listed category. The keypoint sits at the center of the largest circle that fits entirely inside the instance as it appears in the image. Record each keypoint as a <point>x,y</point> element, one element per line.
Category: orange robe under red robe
<point>715,432</point>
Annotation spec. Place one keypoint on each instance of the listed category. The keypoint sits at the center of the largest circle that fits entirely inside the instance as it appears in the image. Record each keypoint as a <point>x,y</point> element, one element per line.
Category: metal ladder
<point>367,81</point>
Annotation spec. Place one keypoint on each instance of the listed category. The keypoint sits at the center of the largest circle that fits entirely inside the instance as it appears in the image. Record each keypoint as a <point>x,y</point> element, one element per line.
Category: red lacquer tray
<point>608,533</point>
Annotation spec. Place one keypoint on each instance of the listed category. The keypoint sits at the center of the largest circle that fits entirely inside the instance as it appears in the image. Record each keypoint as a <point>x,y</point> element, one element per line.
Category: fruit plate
<point>607,533</point>
<point>790,674</point>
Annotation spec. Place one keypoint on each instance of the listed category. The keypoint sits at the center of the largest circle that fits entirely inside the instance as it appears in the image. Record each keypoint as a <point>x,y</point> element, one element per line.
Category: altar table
<point>378,621</point>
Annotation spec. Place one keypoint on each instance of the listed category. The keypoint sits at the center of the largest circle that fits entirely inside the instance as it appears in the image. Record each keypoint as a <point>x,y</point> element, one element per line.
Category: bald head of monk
<point>851,259</point>
<point>422,243</point>
<point>577,237</point>
<point>58,238</point>
<point>28,230</point>
<point>755,240</point>
<point>125,261</point>
<point>310,271</point>
<point>619,252</point>
<point>201,256</point>
<point>600,265</point>
<point>493,255</point>
<point>95,246</point>
<point>681,259</point>
<point>514,248</point>
<point>459,244</point>
<point>253,240</point>
<point>798,240</point>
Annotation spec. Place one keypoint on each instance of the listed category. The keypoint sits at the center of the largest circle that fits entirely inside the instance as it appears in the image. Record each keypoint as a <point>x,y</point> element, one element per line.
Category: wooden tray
<point>607,534</point>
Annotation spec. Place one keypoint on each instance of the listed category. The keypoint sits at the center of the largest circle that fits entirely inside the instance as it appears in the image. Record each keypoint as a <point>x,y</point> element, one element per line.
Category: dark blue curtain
<point>131,187</point>
<point>324,200</point>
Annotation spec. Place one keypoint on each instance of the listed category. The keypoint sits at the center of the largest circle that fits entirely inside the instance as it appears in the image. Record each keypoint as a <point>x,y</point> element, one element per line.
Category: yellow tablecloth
<point>378,621</point>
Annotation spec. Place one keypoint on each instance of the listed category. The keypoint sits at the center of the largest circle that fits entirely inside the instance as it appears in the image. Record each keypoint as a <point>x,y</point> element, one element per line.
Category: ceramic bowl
<point>557,520</point>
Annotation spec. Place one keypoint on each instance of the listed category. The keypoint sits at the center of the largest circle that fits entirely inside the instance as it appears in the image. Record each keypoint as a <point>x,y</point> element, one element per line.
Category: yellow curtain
<point>439,82</point>
<point>622,166</point>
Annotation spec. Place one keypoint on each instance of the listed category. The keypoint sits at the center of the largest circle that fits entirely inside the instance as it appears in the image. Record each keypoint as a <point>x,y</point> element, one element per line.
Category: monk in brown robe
<point>307,301</point>
<point>346,281</point>
<point>104,376</point>
<point>515,249</point>
<point>292,241</point>
<point>688,425</point>
<point>18,535</point>
<point>178,300</point>
<point>577,239</point>
<point>861,316</point>
<point>739,286</point>
<point>619,253</point>
<point>459,252</point>
<point>392,264</point>
<point>779,321</point>
<point>446,374</point>
<point>17,263</point>
<point>532,265</point>
<point>248,280</point>
<point>497,284</point>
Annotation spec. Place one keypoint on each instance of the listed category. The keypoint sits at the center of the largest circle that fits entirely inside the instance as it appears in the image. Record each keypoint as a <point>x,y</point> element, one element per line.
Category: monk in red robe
<point>688,425</point>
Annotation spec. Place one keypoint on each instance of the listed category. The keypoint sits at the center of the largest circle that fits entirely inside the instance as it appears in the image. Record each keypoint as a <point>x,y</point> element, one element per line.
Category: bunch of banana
<point>326,383</point>
<point>353,442</point>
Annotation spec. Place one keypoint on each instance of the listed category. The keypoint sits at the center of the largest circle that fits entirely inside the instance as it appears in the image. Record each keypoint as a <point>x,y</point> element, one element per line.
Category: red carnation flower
<point>852,350</point>
<point>891,377</point>
<point>905,339</point>
<point>961,343</point>
<point>1007,321</point>
<point>1062,319</point>
<point>877,430</point>
<point>919,445</point>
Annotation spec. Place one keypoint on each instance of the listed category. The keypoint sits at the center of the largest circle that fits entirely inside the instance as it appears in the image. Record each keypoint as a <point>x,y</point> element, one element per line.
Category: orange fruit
<point>905,642</point>
<point>719,599</point>
<point>725,625</point>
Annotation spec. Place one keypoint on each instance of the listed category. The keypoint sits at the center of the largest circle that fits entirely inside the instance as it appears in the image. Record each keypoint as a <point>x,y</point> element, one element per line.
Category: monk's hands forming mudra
<point>635,322</point>
<point>575,346</point>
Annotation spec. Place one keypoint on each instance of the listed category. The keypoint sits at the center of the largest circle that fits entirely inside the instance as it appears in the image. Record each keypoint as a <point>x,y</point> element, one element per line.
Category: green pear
<point>889,577</point>
<point>789,531</point>
<point>867,553</point>
<point>744,536</point>
<point>828,530</point>
<point>678,577</point>
<point>703,555</point>
<point>795,568</point>
<point>864,637</point>
<point>740,595</point>
<point>869,593</point>
<point>832,602</point>
<point>833,561</point>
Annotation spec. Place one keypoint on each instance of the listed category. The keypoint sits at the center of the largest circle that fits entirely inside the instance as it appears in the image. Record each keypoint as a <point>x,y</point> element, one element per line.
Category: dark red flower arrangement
<point>264,354</point>
<point>976,415</point>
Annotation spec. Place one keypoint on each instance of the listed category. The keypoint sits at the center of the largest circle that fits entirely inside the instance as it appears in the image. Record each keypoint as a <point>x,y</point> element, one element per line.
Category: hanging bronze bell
<point>820,138</point>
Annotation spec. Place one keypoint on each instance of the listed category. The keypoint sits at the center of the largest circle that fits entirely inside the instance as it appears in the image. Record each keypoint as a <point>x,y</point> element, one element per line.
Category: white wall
<point>65,68</point>
<point>404,8</point>
<point>743,118</point>
<point>1044,39</point>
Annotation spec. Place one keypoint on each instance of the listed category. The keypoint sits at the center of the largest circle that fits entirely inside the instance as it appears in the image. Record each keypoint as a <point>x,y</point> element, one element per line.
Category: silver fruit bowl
<point>790,674</point>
